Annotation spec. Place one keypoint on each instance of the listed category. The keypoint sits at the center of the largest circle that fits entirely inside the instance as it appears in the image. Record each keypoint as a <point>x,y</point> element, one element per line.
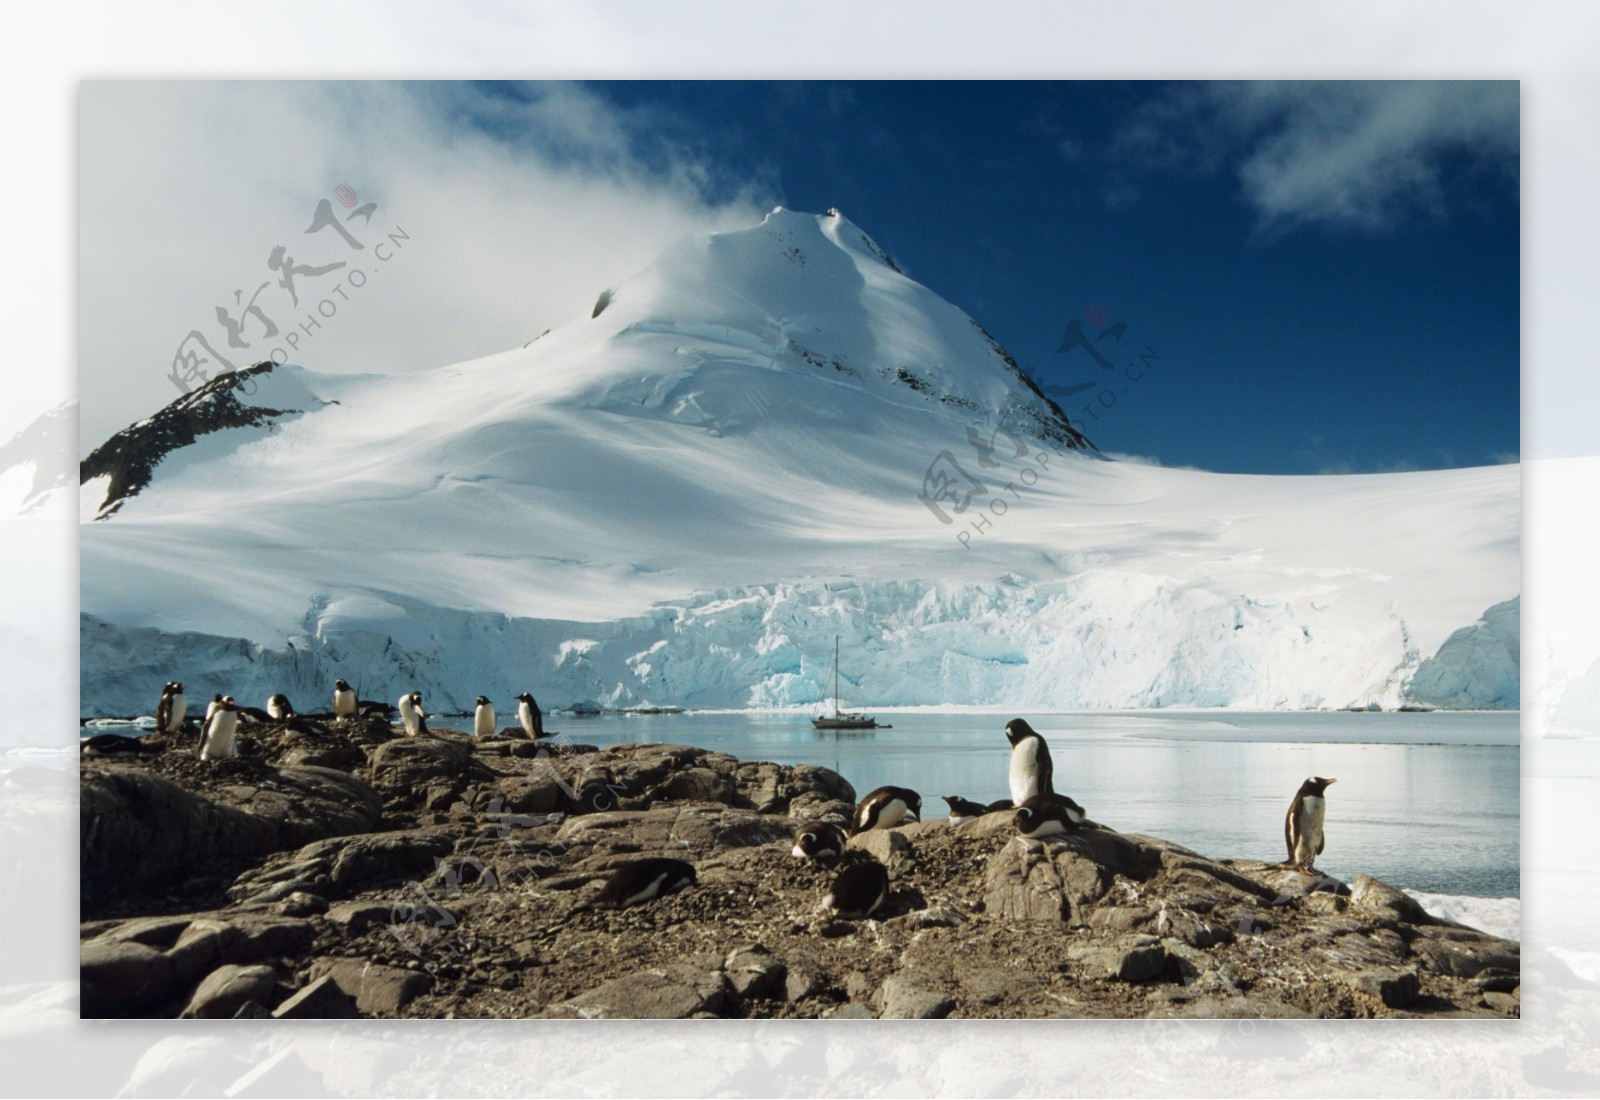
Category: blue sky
<point>1328,272</point>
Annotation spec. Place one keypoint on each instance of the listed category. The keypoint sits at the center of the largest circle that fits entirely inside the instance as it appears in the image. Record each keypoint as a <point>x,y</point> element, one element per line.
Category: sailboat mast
<point>836,675</point>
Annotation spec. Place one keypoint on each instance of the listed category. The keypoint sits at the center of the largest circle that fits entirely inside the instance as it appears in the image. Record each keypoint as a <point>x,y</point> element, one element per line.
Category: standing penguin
<point>170,711</point>
<point>1302,828</point>
<point>344,700</point>
<point>1031,771</point>
<point>483,719</point>
<point>217,739</point>
<point>529,716</point>
<point>412,714</point>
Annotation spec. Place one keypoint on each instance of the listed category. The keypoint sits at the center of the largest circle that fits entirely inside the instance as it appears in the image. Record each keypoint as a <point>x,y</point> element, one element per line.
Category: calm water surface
<point>1424,801</point>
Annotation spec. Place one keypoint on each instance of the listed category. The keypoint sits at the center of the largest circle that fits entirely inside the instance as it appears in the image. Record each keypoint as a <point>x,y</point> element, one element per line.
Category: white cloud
<point>1350,153</point>
<point>519,212</point>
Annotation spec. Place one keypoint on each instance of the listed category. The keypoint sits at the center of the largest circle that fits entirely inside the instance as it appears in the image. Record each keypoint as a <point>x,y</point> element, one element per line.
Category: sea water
<point>1428,802</point>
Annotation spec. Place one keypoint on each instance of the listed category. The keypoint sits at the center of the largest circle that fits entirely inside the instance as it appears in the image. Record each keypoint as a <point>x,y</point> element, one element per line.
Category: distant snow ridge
<point>909,643</point>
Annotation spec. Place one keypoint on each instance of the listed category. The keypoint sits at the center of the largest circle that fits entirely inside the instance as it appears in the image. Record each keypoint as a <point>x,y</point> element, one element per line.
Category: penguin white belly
<point>525,718</point>
<point>1024,775</point>
<point>1309,839</point>
<point>484,722</point>
<point>180,707</point>
<point>891,813</point>
<point>344,704</point>
<point>220,738</point>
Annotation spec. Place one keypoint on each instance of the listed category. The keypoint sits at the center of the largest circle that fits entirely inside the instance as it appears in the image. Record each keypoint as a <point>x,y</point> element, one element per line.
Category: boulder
<point>754,973</point>
<point>670,993</point>
<point>1137,959</point>
<point>1395,988</point>
<point>426,771</point>
<point>140,965</point>
<point>140,832</point>
<point>888,846</point>
<point>119,978</point>
<point>376,989</point>
<point>914,996</point>
<point>227,989</point>
<point>1058,881</point>
<point>322,999</point>
<point>340,866</point>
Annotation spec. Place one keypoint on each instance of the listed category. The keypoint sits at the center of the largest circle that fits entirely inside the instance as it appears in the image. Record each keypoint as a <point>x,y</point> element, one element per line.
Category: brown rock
<point>320,1000</point>
<point>226,990</point>
<point>377,990</point>
<point>673,993</point>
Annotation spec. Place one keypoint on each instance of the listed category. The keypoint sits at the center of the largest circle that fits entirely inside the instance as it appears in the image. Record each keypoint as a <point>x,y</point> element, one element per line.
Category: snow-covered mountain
<point>767,438</point>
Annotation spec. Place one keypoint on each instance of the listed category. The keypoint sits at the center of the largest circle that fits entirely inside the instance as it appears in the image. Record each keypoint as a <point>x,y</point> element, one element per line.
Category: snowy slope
<point>683,498</point>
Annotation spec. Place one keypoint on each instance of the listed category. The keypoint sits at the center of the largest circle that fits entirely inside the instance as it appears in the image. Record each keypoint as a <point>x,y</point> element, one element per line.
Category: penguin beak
<point>1331,782</point>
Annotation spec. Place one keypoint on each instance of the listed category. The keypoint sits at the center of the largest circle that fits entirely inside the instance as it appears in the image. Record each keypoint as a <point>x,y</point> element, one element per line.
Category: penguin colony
<point>224,716</point>
<point>860,887</point>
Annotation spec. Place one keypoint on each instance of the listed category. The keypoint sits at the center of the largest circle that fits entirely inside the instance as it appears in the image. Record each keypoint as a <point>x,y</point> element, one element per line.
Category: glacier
<point>769,438</point>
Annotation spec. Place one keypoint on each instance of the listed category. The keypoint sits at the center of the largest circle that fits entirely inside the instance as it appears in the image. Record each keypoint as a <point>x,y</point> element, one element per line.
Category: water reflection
<point>1425,801</point>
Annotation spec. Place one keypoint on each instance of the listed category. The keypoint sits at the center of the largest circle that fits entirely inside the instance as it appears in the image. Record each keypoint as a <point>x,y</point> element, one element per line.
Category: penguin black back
<point>961,809</point>
<point>1049,815</point>
<point>818,840</point>
<point>884,808</point>
<point>858,890</point>
<point>644,880</point>
<point>1303,824</point>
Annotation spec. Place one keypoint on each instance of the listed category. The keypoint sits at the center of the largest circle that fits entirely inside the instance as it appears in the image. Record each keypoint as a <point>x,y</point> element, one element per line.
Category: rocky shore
<point>364,873</point>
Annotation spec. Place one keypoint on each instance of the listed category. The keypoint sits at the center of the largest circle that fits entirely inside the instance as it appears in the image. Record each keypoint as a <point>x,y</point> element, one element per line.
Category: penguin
<point>858,890</point>
<point>483,719</point>
<point>170,711</point>
<point>211,708</point>
<point>1302,826</point>
<point>1049,815</point>
<point>344,700</point>
<point>279,709</point>
<point>529,716</point>
<point>963,810</point>
<point>249,716</point>
<point>114,744</point>
<point>217,741</point>
<point>818,840</point>
<point>1031,771</point>
<point>412,714</point>
<point>884,808</point>
<point>644,880</point>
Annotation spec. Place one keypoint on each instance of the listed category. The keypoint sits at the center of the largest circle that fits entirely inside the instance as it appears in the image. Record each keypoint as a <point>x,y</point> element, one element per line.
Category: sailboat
<point>840,721</point>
